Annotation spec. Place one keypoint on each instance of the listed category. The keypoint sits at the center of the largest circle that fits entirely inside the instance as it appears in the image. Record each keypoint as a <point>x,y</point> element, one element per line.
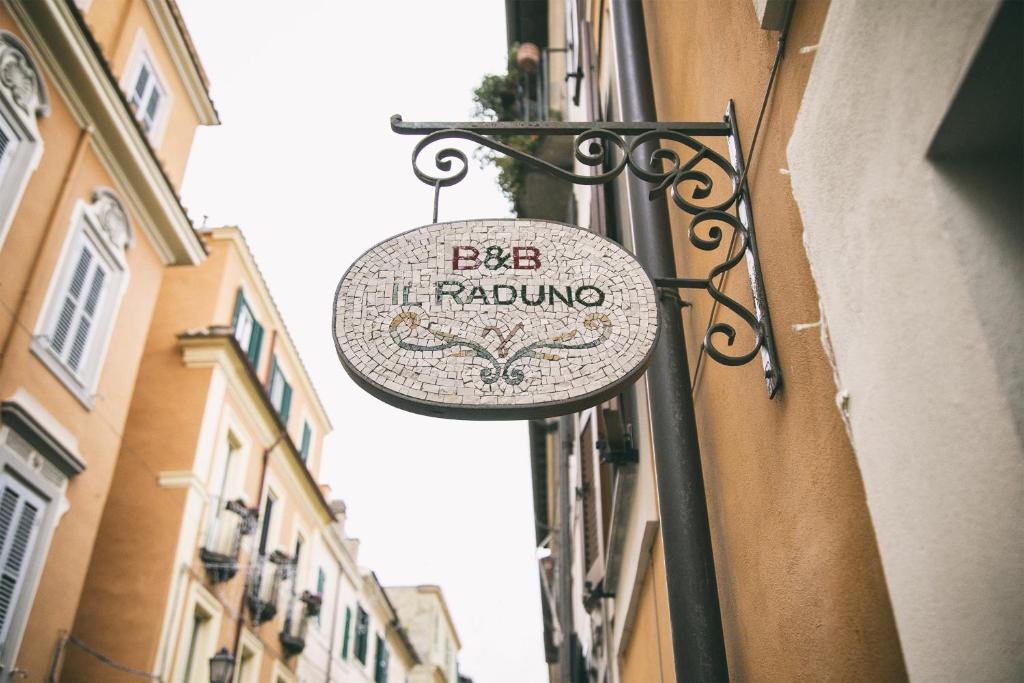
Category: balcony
<point>293,635</point>
<point>267,573</point>
<point>230,520</point>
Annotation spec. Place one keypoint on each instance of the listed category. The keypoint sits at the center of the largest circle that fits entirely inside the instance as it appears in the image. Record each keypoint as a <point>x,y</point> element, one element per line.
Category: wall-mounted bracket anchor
<point>689,170</point>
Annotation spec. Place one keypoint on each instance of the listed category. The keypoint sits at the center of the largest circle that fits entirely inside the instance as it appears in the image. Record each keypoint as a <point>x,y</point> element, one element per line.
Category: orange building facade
<point>98,107</point>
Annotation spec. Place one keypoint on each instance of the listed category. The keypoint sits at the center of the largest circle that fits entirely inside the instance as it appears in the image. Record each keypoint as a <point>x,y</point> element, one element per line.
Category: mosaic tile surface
<point>495,319</point>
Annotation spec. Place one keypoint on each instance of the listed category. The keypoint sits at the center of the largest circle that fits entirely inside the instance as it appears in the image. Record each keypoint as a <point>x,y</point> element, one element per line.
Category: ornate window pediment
<point>112,219</point>
<point>21,82</point>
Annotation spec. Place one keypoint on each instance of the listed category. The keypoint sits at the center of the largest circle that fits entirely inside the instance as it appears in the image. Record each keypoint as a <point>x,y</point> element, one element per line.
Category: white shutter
<point>8,143</point>
<point>20,517</point>
<point>80,303</point>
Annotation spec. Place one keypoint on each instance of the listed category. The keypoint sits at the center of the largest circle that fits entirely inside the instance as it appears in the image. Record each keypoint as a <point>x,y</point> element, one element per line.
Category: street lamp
<point>222,666</point>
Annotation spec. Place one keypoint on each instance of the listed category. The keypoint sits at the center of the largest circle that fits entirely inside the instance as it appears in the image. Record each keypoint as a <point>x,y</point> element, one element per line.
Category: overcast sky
<point>306,164</point>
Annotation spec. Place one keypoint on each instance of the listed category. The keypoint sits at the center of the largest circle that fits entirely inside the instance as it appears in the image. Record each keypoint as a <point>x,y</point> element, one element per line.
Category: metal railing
<point>228,522</point>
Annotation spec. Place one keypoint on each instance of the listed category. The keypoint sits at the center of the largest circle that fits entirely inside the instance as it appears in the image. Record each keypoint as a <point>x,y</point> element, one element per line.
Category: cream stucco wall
<point>921,309</point>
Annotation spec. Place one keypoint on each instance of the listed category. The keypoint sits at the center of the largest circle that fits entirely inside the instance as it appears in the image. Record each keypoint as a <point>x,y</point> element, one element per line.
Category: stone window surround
<point>105,224</point>
<point>23,100</point>
<point>142,53</point>
<point>40,452</point>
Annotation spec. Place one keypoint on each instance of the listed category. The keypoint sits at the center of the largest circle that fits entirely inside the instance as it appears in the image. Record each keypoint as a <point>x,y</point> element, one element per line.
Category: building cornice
<point>216,347</point>
<point>234,235</point>
<point>74,63</point>
<point>172,29</point>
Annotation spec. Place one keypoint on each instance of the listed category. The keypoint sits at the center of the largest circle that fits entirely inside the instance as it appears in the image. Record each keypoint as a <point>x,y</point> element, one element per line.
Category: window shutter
<point>307,437</point>
<point>5,140</point>
<point>20,513</point>
<point>380,673</point>
<point>85,321</point>
<point>286,402</point>
<point>59,336</point>
<point>239,302</point>
<point>9,141</point>
<point>254,343</point>
<point>345,633</point>
<point>140,84</point>
<point>151,107</point>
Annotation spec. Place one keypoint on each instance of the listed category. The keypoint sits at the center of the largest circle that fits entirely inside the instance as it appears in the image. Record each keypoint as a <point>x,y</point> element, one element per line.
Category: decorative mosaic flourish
<point>505,314</point>
<point>505,371</point>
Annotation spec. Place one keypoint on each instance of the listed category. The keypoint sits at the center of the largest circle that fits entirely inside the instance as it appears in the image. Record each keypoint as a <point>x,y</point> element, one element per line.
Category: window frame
<point>26,494</point>
<point>142,56</point>
<point>362,635</point>
<point>253,345</point>
<point>86,231</point>
<point>381,660</point>
<point>306,444</point>
<point>19,111</point>
<point>284,409</point>
<point>345,633</point>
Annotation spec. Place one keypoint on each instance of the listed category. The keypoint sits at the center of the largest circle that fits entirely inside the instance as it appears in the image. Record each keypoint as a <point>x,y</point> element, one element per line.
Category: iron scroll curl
<point>691,184</point>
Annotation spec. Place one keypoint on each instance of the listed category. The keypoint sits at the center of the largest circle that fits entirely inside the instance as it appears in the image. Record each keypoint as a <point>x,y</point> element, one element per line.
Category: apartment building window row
<point>23,100</point>
<point>85,294</point>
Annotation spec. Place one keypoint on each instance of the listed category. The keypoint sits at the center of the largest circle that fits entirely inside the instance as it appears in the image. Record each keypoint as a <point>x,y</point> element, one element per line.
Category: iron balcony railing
<point>267,573</point>
<point>301,608</point>
<point>228,522</point>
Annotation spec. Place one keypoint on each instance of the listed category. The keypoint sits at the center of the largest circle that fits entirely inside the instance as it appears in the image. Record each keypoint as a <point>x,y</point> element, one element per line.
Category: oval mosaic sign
<point>495,319</point>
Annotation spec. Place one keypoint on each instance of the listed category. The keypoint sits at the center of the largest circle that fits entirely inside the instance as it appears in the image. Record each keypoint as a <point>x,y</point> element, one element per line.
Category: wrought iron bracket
<point>690,181</point>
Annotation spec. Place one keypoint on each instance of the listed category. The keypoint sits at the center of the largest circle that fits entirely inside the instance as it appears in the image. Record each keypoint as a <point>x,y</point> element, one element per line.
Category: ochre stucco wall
<point>28,258</point>
<point>647,656</point>
<point>116,24</point>
<point>801,585</point>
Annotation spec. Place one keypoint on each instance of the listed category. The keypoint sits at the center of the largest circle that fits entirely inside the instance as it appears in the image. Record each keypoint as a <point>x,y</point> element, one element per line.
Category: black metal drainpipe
<point>697,643</point>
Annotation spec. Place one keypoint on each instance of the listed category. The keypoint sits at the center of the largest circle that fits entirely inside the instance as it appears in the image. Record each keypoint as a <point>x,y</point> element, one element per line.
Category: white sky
<point>306,164</point>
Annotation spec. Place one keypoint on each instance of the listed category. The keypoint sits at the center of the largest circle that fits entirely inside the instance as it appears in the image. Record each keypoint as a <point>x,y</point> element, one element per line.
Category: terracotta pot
<point>528,58</point>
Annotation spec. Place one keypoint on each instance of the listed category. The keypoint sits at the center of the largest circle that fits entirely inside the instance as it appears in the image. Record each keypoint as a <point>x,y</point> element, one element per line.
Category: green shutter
<point>362,634</point>
<point>255,341</point>
<point>286,402</point>
<point>239,302</point>
<point>380,665</point>
<point>344,633</point>
<point>307,437</point>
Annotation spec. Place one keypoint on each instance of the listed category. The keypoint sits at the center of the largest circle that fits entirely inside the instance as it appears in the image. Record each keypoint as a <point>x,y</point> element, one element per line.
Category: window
<point>191,657</point>
<point>248,332</point>
<point>74,326</point>
<point>9,143</point>
<point>268,511</point>
<point>20,516</point>
<point>345,632</point>
<point>362,633</point>
<point>147,95</point>
<point>84,294</point>
<point>297,558</point>
<point>380,668</point>
<point>321,579</point>
<point>280,392</point>
<point>23,100</point>
<point>307,437</point>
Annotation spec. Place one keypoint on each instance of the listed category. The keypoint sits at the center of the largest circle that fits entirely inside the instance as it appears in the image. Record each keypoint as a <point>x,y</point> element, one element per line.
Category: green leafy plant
<point>498,99</point>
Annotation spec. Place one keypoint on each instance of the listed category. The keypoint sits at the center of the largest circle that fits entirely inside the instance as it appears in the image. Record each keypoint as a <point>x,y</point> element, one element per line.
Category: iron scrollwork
<point>690,181</point>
